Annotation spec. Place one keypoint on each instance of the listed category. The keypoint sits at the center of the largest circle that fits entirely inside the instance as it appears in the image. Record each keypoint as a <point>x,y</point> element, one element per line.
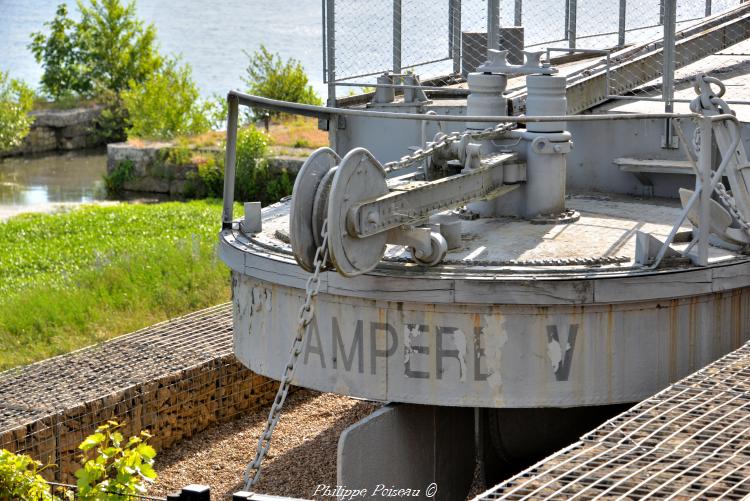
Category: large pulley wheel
<point>359,177</point>
<point>302,228</point>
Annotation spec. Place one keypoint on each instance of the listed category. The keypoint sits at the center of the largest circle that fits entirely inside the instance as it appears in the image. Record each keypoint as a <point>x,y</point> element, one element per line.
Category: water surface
<point>50,182</point>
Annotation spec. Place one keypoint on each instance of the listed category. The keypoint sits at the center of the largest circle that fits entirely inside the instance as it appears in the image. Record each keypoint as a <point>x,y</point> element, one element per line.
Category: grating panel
<point>690,441</point>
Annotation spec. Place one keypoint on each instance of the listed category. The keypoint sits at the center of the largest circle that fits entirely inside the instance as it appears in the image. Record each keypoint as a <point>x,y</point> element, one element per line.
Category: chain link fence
<point>615,47</point>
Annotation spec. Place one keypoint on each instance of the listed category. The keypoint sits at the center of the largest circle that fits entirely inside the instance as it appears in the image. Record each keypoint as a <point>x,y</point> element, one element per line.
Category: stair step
<point>654,166</point>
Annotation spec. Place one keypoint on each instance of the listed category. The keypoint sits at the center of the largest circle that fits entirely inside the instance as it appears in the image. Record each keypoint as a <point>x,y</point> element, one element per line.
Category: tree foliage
<point>117,47</point>
<point>61,58</point>
<point>16,101</point>
<point>104,51</point>
<point>268,76</point>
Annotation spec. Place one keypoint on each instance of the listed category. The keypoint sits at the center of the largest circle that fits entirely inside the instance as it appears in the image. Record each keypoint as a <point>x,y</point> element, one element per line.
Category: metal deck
<point>689,441</point>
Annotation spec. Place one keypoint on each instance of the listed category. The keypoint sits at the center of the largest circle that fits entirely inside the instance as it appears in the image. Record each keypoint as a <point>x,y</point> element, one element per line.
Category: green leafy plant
<point>20,478</point>
<point>210,176</point>
<point>167,104</point>
<point>252,148</point>
<point>116,46</point>
<point>123,172</point>
<point>16,101</point>
<point>115,468</point>
<point>61,57</point>
<point>104,51</point>
<point>267,75</point>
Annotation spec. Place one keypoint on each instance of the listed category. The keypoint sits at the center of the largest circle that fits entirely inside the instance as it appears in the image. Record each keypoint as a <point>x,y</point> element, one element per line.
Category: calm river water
<point>211,36</point>
<point>46,183</point>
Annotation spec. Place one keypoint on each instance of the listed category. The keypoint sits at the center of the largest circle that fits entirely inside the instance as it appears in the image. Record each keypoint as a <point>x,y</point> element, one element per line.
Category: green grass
<point>69,280</point>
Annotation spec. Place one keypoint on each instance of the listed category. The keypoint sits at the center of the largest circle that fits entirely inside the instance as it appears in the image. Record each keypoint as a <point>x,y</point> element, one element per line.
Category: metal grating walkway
<point>690,441</point>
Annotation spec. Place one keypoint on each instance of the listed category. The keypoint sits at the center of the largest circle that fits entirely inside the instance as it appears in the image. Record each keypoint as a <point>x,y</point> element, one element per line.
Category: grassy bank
<point>73,279</point>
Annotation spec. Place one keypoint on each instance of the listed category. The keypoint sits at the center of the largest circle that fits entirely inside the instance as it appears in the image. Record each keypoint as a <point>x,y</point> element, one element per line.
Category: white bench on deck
<point>641,167</point>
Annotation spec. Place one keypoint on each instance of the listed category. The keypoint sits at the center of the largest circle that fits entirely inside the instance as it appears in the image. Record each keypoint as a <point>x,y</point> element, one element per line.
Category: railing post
<point>518,13</point>
<point>709,5</point>
<point>397,36</point>
<point>704,165</point>
<point>230,161</point>
<point>670,25</point>
<point>572,22</point>
<point>621,26</point>
<point>454,34</point>
<point>493,24</point>
<point>331,46</point>
<point>662,7</point>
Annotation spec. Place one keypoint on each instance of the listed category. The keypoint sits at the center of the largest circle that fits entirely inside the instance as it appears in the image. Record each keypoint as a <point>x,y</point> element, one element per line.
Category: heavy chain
<point>306,314</point>
<point>496,132</point>
<point>573,261</point>
<point>729,202</point>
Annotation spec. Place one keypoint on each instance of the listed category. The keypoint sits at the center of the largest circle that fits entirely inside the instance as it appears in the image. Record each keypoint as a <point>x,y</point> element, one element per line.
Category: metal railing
<point>451,37</point>
<point>707,179</point>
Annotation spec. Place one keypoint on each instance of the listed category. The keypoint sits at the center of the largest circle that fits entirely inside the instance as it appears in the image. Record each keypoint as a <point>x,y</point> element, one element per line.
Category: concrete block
<point>416,447</point>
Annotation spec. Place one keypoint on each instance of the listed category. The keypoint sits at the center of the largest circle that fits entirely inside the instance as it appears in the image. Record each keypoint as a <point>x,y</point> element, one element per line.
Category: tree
<point>103,52</point>
<point>116,45</point>
<point>16,101</point>
<point>268,76</point>
<point>61,58</point>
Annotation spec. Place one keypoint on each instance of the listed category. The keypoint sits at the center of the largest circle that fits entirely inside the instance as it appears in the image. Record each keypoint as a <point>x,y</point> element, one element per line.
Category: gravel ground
<point>302,454</point>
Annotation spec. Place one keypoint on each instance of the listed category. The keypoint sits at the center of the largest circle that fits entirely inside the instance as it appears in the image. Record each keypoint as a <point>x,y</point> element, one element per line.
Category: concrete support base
<point>417,447</point>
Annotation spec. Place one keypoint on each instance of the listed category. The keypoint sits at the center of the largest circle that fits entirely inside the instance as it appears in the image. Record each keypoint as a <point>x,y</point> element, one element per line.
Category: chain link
<point>496,132</point>
<point>306,314</point>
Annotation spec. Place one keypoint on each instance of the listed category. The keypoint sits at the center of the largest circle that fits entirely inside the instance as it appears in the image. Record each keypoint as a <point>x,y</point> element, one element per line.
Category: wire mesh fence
<point>174,379</point>
<point>620,48</point>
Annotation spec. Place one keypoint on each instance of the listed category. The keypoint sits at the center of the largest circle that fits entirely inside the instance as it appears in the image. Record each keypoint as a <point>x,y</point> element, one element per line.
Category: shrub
<point>110,125</point>
<point>20,478</point>
<point>115,180</point>
<point>268,76</point>
<point>112,464</point>
<point>61,58</point>
<point>167,104</point>
<point>252,147</point>
<point>16,101</point>
<point>113,469</point>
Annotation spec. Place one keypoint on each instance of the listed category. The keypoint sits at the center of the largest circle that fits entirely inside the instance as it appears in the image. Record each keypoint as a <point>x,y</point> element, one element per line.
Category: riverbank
<point>73,279</point>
